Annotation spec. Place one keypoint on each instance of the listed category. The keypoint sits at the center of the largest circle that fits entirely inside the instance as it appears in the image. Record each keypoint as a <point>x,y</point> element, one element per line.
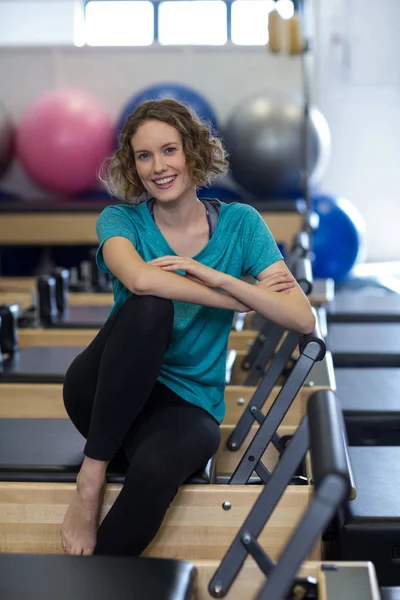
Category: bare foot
<point>79,529</point>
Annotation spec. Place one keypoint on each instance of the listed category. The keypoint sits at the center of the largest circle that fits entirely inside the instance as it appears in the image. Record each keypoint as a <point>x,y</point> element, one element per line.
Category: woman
<point>151,384</point>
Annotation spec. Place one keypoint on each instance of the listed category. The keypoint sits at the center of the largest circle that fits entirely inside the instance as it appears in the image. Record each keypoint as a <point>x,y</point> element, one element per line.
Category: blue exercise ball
<point>173,91</point>
<point>338,243</point>
<point>223,194</point>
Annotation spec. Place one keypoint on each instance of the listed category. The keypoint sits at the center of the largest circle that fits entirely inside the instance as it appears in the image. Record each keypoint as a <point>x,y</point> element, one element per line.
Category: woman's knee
<point>71,385</point>
<point>173,461</point>
<point>147,312</point>
<point>209,437</point>
<point>78,398</point>
<point>79,385</point>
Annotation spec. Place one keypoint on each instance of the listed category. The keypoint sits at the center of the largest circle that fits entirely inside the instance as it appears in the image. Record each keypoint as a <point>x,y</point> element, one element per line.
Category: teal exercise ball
<point>339,241</point>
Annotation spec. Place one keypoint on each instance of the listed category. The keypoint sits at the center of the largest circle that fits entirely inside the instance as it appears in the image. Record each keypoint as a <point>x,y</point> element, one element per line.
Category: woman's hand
<point>281,281</point>
<point>194,270</point>
<point>277,282</point>
<point>198,273</point>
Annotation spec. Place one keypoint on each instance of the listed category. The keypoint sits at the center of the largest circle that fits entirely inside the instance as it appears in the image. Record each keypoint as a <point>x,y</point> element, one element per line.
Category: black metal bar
<point>304,276</point>
<point>258,553</point>
<point>261,511</point>
<point>327,437</point>
<point>277,442</point>
<point>261,352</point>
<point>263,391</point>
<point>329,496</point>
<point>306,72</point>
<point>275,415</point>
<point>321,425</point>
<point>302,244</point>
<point>331,483</point>
<point>257,414</point>
<point>257,345</point>
<point>268,339</point>
<point>328,433</point>
<point>1,355</point>
<point>61,277</point>
<point>263,473</point>
<point>46,299</point>
<point>9,328</point>
<point>260,323</point>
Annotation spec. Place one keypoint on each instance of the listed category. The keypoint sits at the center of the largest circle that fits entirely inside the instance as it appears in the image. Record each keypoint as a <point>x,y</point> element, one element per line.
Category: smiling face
<point>161,162</point>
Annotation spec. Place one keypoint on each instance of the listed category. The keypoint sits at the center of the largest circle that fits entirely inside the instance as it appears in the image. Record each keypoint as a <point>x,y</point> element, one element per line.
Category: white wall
<point>358,90</point>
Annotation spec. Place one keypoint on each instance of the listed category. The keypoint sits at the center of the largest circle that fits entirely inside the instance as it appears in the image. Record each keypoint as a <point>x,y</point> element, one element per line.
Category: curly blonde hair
<point>205,154</point>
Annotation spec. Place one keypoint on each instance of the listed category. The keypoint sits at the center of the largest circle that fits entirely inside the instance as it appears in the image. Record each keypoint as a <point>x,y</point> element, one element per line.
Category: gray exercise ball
<point>264,138</point>
<point>6,140</point>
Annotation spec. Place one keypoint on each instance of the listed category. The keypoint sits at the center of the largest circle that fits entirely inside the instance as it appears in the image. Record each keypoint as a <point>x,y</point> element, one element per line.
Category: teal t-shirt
<point>194,364</point>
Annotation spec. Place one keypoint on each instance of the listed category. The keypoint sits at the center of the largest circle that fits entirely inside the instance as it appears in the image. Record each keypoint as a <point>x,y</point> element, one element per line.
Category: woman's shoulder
<point>119,217</point>
<point>121,211</point>
<point>121,208</point>
<point>239,210</point>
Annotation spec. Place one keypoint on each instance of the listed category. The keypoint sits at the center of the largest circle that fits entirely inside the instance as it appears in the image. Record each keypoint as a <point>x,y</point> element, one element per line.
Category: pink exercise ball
<point>63,138</point>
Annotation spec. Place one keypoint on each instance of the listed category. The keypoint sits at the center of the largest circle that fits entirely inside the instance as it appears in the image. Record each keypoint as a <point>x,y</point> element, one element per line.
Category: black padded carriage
<point>363,308</point>
<point>368,527</point>
<point>371,528</point>
<point>51,450</point>
<point>364,345</point>
<point>52,577</point>
<point>370,400</point>
<point>38,364</point>
<point>82,317</point>
<point>49,364</point>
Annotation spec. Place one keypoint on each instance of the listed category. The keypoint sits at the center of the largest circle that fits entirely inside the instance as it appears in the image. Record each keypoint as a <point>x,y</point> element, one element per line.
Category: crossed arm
<point>276,297</point>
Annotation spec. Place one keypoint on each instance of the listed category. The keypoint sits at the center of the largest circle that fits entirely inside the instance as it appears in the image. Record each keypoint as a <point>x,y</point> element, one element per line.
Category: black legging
<point>112,396</point>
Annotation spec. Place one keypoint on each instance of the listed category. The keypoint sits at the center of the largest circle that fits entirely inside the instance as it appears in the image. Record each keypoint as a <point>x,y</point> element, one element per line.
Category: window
<point>36,22</point>
<point>179,22</point>
<point>193,22</point>
<point>250,21</point>
<point>119,23</point>
<point>285,8</point>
